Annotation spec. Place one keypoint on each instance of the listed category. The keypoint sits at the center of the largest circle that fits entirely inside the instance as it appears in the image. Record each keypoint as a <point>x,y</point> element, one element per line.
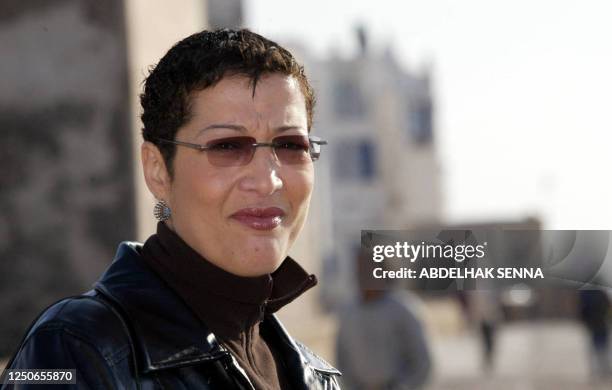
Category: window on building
<point>348,101</point>
<point>421,126</point>
<point>355,160</point>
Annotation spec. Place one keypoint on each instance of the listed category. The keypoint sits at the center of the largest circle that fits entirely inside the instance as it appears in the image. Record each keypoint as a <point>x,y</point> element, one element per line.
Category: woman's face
<point>243,218</point>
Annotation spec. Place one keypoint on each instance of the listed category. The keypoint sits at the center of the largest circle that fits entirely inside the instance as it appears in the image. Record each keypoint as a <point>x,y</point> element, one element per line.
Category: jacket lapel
<point>164,330</point>
<point>302,363</point>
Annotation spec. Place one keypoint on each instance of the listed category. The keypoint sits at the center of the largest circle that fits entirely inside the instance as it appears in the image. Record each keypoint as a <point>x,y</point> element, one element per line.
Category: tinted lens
<point>292,149</point>
<point>234,151</point>
<point>226,152</point>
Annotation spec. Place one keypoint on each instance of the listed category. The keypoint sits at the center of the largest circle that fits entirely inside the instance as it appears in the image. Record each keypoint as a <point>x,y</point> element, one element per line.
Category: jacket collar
<point>164,331</point>
<point>228,304</point>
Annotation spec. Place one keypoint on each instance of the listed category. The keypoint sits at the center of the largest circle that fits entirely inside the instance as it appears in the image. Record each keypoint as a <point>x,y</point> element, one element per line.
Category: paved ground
<point>531,356</point>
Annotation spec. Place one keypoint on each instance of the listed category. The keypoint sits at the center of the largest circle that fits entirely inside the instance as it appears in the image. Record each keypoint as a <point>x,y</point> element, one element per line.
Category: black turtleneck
<point>231,306</point>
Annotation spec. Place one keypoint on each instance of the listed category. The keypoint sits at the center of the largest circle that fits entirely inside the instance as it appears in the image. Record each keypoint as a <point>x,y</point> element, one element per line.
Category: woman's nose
<point>262,173</point>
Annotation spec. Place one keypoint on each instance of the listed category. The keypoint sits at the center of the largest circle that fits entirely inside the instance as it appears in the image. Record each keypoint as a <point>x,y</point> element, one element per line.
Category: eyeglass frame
<point>312,140</point>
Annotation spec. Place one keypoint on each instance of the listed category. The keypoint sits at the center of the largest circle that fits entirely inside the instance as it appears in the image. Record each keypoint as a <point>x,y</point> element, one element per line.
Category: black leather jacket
<point>132,332</point>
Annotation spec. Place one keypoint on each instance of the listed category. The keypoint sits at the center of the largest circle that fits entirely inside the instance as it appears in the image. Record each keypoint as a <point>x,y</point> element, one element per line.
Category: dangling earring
<point>161,210</point>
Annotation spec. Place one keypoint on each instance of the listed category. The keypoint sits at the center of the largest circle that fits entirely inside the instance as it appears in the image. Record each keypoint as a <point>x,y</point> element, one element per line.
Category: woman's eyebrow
<point>243,129</point>
<point>239,128</point>
<point>280,129</point>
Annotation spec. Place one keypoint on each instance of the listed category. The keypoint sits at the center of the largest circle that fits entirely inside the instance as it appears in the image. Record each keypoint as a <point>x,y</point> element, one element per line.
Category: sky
<point>523,94</point>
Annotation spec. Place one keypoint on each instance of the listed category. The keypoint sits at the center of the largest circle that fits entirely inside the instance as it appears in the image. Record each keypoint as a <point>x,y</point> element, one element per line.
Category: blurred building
<point>67,186</point>
<point>380,168</point>
<point>225,13</point>
<point>153,26</point>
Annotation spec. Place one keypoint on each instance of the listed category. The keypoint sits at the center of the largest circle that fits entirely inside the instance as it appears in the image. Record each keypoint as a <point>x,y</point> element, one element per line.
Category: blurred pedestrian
<point>594,313</point>
<point>381,343</point>
<point>483,312</point>
<point>486,310</point>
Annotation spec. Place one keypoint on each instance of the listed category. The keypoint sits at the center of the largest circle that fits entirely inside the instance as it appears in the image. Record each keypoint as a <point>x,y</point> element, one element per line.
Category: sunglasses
<point>238,151</point>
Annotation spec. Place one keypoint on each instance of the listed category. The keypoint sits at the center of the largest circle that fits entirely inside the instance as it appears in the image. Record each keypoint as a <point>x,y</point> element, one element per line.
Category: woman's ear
<point>156,174</point>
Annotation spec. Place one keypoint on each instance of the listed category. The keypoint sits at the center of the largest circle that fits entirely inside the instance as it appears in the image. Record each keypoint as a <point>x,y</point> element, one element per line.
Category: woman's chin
<point>262,266</point>
<point>265,246</point>
<point>260,263</point>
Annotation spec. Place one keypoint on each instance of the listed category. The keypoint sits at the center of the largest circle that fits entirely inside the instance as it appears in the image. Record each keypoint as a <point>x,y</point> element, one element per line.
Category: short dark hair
<point>200,61</point>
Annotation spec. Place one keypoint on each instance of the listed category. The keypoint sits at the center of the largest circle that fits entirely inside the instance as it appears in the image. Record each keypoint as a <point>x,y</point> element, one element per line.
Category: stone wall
<point>66,187</point>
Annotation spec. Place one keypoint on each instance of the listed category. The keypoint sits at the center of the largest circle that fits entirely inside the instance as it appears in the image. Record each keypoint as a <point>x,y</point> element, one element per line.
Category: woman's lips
<point>260,218</point>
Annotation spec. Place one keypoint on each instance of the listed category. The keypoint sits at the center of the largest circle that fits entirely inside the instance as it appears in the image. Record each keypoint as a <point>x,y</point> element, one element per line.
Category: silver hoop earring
<point>161,210</point>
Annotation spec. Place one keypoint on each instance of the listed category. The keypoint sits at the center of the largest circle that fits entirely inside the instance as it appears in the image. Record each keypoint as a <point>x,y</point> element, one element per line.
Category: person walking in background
<point>594,308</point>
<point>485,314</point>
<point>482,312</point>
<point>381,343</point>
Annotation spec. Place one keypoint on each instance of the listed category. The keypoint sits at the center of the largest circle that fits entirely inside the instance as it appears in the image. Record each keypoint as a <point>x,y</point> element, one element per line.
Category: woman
<point>227,153</point>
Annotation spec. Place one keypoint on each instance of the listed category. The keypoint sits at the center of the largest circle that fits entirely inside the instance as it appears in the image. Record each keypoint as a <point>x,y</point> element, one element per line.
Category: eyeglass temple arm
<point>190,145</point>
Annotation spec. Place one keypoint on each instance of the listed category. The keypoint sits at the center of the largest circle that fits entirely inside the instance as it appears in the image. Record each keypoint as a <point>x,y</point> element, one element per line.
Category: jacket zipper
<point>241,374</point>
<point>262,310</point>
